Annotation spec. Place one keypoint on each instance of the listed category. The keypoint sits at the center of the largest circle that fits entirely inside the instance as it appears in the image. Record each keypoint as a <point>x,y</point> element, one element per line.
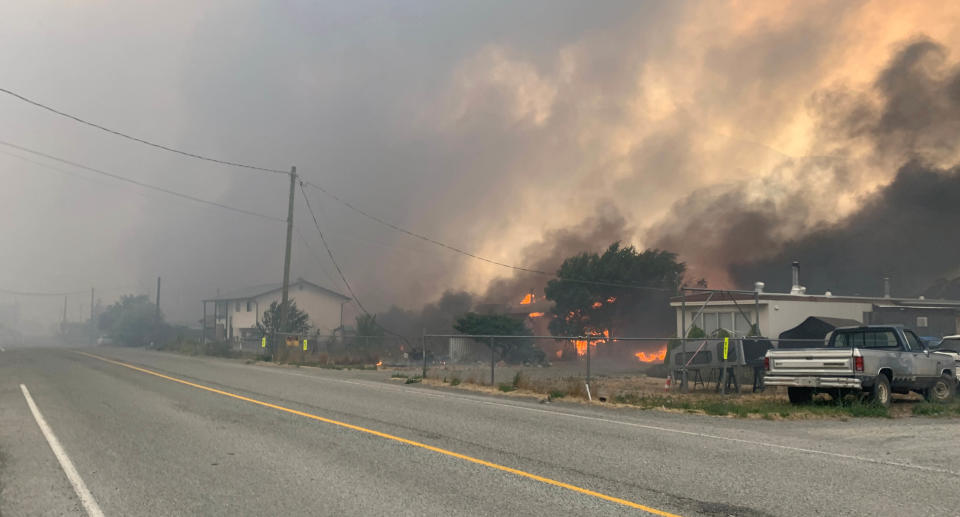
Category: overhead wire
<point>343,277</point>
<point>329,252</point>
<point>140,183</point>
<point>316,255</point>
<point>140,140</point>
<point>302,182</point>
<point>474,255</point>
<point>36,293</point>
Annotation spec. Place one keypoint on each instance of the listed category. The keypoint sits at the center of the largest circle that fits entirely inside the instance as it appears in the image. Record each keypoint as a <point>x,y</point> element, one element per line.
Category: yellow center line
<point>387,436</point>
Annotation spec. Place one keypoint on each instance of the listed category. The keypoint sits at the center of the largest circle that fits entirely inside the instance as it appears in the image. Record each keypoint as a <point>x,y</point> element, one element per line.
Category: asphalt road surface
<point>150,433</point>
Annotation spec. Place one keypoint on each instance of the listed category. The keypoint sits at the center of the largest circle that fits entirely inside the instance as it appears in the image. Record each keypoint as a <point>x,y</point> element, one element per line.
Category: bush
<point>455,381</point>
<point>557,394</point>
<point>506,388</point>
<point>219,349</point>
<point>414,380</point>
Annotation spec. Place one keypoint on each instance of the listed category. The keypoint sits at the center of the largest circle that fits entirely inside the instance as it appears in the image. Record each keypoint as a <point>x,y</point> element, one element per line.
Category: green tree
<point>592,295</point>
<point>513,350</point>
<point>298,322</point>
<point>132,321</point>
<point>367,326</point>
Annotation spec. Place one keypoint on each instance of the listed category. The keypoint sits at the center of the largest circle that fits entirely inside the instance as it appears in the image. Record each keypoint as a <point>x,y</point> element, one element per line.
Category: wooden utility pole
<point>285,296</point>
<point>91,305</point>
<point>156,316</point>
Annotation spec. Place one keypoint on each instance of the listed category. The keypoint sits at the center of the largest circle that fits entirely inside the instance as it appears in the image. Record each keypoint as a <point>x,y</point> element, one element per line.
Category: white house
<point>234,316</point>
<point>779,312</point>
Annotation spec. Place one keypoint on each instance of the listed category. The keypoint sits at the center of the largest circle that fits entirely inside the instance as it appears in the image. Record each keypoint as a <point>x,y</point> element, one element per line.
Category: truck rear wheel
<point>799,395</point>
<point>880,394</point>
<point>941,391</point>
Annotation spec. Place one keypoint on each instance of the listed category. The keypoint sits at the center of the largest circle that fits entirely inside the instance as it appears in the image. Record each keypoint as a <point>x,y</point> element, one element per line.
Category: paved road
<point>219,437</point>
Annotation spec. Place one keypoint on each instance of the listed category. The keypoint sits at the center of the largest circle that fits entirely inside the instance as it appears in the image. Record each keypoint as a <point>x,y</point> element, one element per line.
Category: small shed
<point>814,327</point>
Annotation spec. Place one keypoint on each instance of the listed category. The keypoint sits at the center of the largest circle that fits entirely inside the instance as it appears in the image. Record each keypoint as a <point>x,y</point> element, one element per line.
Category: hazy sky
<point>483,124</point>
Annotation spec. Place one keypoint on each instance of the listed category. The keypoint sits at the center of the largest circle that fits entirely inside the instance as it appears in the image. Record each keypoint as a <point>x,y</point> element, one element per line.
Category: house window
<point>726,320</point>
<point>249,306</point>
<point>237,307</point>
<point>922,322</point>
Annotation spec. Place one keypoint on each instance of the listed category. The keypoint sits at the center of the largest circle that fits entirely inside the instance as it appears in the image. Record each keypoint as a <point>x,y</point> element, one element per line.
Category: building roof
<point>740,297</point>
<point>254,291</point>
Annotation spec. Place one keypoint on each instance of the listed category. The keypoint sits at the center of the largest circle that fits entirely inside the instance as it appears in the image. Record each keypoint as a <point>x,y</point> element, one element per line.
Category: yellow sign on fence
<point>304,345</point>
<point>263,342</point>
<point>726,347</point>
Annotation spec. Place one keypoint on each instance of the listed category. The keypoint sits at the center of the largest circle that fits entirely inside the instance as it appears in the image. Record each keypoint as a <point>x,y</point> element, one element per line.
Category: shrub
<point>506,388</point>
<point>455,381</point>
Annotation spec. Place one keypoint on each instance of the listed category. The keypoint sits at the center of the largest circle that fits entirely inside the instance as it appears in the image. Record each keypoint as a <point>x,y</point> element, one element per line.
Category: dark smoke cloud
<point>593,234</point>
<point>902,229</point>
<point>905,231</point>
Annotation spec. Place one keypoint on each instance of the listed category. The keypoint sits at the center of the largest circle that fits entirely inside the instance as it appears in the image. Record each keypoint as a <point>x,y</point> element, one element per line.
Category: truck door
<point>924,366</point>
<point>895,355</point>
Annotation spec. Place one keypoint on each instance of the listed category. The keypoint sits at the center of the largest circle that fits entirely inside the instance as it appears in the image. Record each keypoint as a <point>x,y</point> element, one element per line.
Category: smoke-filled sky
<point>728,132</point>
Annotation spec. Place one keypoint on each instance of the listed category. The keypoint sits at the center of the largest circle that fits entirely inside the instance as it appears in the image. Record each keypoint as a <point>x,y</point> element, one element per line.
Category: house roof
<point>719,299</point>
<point>254,291</point>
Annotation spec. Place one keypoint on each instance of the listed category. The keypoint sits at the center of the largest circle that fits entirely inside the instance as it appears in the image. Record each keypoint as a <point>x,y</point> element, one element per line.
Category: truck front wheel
<point>799,395</point>
<point>941,391</point>
<point>880,394</point>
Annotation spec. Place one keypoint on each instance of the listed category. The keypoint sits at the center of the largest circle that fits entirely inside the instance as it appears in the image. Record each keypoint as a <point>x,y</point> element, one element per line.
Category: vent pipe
<point>758,287</point>
<point>795,286</point>
<point>886,287</point>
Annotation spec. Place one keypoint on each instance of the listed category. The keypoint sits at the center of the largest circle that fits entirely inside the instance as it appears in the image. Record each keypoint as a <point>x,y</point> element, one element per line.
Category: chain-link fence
<point>334,350</point>
<point>589,366</point>
<point>597,366</point>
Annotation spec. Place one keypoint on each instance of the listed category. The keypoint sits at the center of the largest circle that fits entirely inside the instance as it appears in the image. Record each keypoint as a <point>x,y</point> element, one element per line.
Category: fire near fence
<point>549,363</point>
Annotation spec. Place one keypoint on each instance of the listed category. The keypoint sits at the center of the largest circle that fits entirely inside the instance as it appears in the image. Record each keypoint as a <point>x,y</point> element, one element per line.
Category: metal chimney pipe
<point>796,276</point>
<point>886,287</point>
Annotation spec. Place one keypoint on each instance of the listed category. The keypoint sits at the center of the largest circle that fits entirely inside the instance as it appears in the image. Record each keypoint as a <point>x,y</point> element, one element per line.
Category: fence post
<point>588,359</point>
<point>423,352</point>
<point>493,363</point>
<point>683,339</point>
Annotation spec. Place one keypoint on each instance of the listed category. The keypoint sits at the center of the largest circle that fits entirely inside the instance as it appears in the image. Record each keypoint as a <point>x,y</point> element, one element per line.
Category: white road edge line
<point>86,498</point>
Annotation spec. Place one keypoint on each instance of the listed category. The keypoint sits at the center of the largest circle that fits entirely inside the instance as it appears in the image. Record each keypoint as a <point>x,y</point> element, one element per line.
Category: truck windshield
<point>867,338</point>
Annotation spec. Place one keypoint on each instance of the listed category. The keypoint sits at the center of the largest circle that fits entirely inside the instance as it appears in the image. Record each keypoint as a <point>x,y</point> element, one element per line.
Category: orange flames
<point>597,305</point>
<point>582,344</point>
<point>528,299</point>
<point>536,314</point>
<point>379,363</point>
<point>659,355</point>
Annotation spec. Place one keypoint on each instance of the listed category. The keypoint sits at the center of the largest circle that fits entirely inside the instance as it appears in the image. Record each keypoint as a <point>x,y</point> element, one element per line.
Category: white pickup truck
<point>874,360</point>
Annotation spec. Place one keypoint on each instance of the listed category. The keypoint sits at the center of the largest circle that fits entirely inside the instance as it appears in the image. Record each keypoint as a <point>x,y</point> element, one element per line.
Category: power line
<point>140,140</point>
<point>316,255</point>
<point>340,271</point>
<point>473,255</point>
<point>141,184</point>
<point>34,293</point>
<point>330,253</point>
<point>419,236</point>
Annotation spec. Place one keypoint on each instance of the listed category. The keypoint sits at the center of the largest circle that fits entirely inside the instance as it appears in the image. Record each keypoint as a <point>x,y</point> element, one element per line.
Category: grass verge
<point>763,408</point>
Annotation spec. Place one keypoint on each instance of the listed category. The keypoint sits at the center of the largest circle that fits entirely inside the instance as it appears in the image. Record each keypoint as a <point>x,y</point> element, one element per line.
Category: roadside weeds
<point>766,406</point>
